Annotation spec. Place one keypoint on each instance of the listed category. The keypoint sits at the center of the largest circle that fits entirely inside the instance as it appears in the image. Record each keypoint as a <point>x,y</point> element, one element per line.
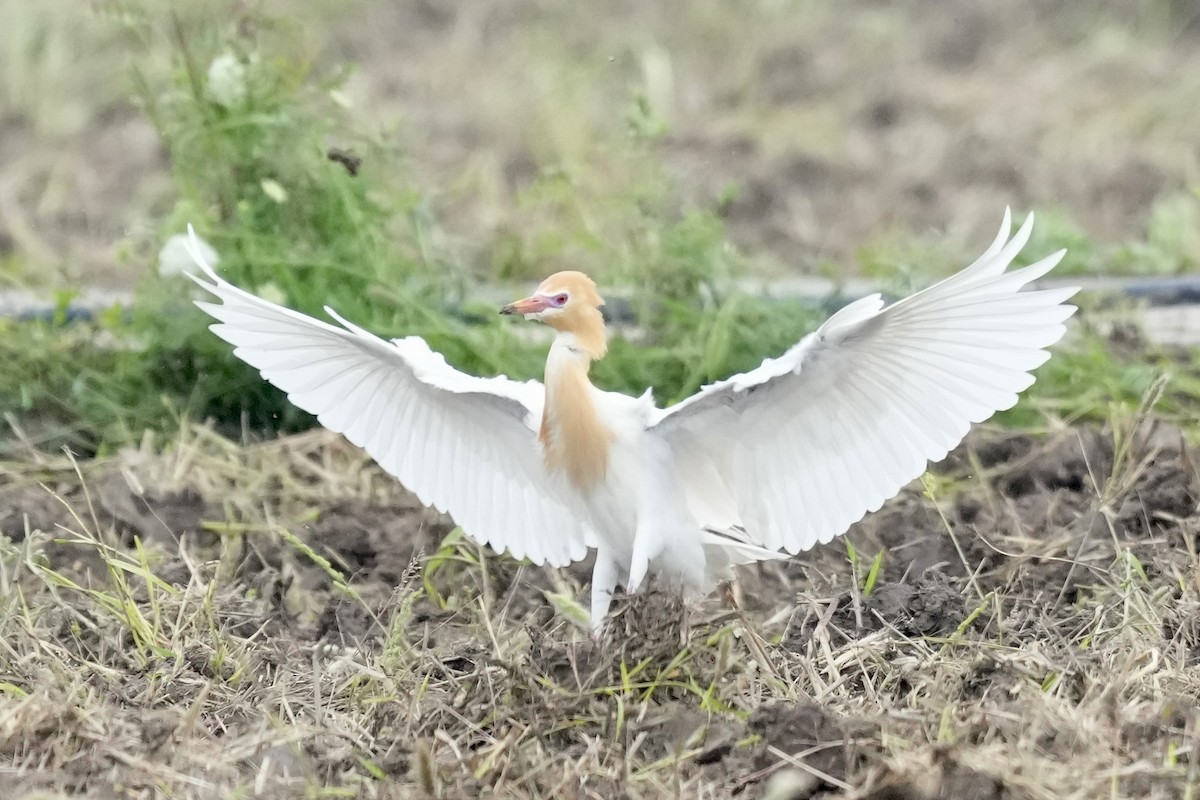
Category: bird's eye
<point>560,299</point>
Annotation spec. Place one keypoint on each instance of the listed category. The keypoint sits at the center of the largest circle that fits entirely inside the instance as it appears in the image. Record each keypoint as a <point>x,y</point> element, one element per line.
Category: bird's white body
<point>639,510</point>
<point>771,461</point>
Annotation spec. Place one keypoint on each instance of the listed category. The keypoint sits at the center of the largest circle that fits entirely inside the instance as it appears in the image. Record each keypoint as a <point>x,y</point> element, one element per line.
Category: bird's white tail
<point>724,549</point>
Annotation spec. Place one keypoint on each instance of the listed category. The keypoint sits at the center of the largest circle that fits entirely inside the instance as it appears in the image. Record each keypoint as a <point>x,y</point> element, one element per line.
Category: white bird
<point>783,457</point>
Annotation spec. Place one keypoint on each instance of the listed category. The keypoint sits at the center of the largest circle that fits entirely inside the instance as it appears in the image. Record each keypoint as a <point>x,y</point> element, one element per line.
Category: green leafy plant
<point>250,127</point>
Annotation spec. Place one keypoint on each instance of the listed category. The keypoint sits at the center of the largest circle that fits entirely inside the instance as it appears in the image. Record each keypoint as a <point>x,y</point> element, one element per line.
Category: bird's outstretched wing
<point>803,446</point>
<point>464,445</point>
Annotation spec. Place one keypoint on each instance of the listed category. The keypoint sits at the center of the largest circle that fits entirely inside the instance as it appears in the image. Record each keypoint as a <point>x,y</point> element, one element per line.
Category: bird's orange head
<point>568,302</point>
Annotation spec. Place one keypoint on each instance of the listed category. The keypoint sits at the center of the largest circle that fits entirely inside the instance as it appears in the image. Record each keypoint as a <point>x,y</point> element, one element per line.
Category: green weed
<point>249,124</point>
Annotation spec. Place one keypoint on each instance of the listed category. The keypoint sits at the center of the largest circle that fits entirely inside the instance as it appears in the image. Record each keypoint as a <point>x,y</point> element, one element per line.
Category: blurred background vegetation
<point>412,163</point>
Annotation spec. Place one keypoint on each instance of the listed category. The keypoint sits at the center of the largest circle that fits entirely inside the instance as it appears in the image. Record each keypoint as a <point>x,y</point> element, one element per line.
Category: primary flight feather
<point>777,459</point>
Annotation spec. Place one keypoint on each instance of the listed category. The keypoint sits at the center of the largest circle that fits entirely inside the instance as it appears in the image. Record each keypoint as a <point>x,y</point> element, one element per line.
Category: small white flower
<point>174,258</point>
<point>227,81</point>
<point>274,190</point>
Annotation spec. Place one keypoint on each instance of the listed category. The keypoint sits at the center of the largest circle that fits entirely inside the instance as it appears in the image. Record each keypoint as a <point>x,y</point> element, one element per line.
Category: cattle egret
<point>777,459</point>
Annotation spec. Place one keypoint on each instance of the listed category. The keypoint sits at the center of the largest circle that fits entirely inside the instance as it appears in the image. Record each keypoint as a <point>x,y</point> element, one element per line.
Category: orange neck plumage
<point>574,439</point>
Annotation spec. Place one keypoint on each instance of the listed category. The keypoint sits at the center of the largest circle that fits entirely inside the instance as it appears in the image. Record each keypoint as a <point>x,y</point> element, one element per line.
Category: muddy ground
<point>1034,632</point>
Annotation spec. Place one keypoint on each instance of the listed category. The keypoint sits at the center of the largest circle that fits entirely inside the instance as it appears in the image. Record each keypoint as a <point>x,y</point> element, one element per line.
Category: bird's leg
<point>604,581</point>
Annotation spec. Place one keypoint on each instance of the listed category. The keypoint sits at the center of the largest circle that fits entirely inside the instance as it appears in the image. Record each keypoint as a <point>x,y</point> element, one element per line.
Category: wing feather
<point>810,441</point>
<point>464,445</point>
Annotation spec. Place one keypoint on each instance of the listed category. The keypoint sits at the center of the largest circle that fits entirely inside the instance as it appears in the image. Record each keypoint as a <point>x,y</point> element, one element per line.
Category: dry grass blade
<point>222,619</point>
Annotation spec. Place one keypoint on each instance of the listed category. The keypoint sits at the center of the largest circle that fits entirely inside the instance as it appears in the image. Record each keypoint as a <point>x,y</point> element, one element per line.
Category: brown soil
<point>1058,635</point>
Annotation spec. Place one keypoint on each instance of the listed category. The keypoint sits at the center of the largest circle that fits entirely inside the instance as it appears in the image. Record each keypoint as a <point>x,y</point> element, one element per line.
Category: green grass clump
<point>1169,246</point>
<point>903,261</point>
<point>74,383</point>
<point>249,125</point>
